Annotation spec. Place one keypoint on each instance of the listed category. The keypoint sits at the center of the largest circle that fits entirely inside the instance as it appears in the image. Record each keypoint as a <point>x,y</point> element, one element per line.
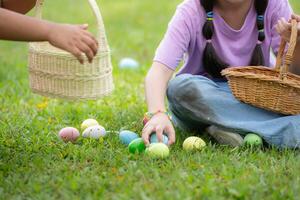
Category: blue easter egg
<point>153,139</point>
<point>128,63</point>
<point>127,136</point>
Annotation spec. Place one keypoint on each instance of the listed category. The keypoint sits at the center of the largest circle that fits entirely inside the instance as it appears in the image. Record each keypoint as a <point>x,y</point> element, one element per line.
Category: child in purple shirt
<point>211,35</point>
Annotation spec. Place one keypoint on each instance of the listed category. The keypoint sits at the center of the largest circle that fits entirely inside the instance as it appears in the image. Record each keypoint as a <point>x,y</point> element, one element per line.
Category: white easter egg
<point>94,132</point>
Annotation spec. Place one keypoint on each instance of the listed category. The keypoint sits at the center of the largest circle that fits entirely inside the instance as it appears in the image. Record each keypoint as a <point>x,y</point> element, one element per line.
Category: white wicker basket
<point>57,73</point>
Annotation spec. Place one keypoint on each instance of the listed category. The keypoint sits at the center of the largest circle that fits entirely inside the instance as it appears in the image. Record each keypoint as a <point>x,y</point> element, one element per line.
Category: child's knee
<point>178,87</point>
<point>188,89</point>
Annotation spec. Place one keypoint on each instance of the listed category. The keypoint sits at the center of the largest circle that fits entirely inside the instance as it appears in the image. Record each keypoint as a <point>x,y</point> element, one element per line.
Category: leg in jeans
<point>198,101</point>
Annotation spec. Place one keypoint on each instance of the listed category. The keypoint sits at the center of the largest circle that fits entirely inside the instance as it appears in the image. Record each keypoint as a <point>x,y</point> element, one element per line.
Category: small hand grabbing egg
<point>193,143</point>
<point>94,132</point>
<point>69,134</point>
<point>154,139</point>
<point>88,123</point>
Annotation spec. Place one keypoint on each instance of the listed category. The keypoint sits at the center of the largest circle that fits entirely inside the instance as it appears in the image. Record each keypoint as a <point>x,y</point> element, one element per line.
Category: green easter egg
<point>253,140</point>
<point>137,146</point>
<point>158,150</point>
<point>193,143</point>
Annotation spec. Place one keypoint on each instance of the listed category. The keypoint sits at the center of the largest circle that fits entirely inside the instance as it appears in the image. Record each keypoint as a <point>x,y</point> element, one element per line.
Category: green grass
<point>35,164</point>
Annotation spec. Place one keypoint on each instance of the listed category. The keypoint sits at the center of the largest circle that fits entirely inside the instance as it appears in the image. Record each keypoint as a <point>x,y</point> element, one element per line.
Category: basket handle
<point>101,36</point>
<point>289,54</point>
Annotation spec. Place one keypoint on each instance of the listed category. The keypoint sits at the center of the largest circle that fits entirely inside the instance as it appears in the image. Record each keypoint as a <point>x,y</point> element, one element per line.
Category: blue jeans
<point>197,102</point>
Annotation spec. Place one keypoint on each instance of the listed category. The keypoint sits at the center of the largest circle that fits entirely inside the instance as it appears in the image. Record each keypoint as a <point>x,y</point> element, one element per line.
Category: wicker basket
<point>57,73</point>
<point>274,89</point>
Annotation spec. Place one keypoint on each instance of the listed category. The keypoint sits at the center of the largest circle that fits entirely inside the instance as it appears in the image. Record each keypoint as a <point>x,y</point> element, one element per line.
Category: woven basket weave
<point>57,73</point>
<point>275,89</point>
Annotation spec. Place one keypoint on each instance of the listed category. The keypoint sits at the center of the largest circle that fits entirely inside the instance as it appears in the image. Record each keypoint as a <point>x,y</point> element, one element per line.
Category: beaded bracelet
<point>149,115</point>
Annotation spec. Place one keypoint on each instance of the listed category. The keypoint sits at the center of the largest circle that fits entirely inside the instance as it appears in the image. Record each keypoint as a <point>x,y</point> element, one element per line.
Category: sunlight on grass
<point>35,164</point>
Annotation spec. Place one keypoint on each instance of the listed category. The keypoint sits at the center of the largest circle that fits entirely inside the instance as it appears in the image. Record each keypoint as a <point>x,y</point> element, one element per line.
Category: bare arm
<point>14,26</point>
<point>156,84</point>
<point>72,38</point>
<point>20,6</point>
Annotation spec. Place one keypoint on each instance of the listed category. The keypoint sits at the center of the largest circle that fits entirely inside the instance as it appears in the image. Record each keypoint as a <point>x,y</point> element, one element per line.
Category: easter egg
<point>69,134</point>
<point>88,123</point>
<point>253,140</point>
<point>137,146</point>
<point>94,132</point>
<point>128,63</point>
<point>193,143</point>
<point>158,150</point>
<point>127,136</point>
<point>154,139</point>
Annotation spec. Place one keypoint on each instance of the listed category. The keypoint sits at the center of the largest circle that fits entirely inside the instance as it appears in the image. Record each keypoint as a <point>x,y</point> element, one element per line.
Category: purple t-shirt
<point>184,37</point>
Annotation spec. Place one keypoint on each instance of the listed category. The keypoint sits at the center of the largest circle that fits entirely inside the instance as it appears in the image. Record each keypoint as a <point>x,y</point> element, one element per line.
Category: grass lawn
<point>35,164</point>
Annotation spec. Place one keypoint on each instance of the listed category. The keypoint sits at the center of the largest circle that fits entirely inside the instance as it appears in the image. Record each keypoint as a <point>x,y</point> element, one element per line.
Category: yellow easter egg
<point>193,143</point>
<point>158,150</point>
<point>88,123</point>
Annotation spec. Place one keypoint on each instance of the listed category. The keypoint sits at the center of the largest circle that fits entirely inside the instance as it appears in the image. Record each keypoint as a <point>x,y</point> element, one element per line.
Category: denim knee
<point>179,88</point>
<point>188,88</point>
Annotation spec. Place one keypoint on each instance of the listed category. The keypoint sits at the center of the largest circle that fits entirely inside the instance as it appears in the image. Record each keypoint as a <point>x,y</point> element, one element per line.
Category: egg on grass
<point>69,134</point>
<point>127,136</point>
<point>88,123</point>
<point>137,146</point>
<point>94,132</point>
<point>193,143</point>
<point>158,150</point>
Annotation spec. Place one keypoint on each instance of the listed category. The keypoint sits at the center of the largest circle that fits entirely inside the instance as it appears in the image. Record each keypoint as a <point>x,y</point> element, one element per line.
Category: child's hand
<point>74,39</point>
<point>284,28</point>
<point>296,17</point>
<point>159,123</point>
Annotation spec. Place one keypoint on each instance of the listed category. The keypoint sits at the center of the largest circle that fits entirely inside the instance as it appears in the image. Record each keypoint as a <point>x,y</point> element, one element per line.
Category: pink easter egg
<point>69,134</point>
